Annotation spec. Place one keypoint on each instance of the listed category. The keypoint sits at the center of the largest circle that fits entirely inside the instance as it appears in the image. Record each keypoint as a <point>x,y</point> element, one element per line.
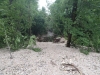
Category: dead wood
<point>71,65</point>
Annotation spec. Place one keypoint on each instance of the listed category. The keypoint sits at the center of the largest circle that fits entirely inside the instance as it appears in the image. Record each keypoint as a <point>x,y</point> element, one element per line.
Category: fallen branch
<point>67,65</point>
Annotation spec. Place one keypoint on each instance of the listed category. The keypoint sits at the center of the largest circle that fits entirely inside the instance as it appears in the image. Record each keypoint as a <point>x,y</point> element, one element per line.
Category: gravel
<point>48,61</point>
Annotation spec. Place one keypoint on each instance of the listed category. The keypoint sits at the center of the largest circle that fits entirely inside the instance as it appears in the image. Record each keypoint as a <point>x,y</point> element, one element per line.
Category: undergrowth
<point>36,49</point>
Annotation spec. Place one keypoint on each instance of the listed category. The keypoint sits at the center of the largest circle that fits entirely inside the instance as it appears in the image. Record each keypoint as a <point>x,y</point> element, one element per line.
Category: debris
<point>73,68</point>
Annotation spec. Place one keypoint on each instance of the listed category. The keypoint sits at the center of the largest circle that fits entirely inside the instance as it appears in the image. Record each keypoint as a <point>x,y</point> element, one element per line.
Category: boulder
<point>62,40</point>
<point>57,39</point>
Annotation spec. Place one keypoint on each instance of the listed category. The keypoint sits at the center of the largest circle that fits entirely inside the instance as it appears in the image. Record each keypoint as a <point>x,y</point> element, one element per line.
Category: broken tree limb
<point>71,65</point>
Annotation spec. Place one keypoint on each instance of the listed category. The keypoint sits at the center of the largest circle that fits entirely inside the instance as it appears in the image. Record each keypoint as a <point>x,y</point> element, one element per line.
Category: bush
<point>85,50</point>
<point>36,49</point>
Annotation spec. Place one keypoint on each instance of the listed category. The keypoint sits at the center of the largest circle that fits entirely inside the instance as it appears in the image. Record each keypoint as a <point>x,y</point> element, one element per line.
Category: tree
<point>57,17</point>
<point>16,18</point>
<point>78,20</point>
<point>73,18</point>
<point>39,25</point>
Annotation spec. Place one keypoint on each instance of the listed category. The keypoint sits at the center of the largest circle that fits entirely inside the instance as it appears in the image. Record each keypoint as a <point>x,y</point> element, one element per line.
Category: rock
<point>62,40</point>
<point>56,40</point>
<point>59,40</point>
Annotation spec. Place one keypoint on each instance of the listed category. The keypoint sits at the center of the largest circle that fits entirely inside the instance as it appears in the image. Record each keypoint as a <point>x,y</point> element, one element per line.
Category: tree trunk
<point>73,18</point>
<point>69,40</point>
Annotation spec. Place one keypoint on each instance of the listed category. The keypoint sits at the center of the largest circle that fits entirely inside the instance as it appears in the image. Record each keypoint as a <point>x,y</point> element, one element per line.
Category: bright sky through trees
<point>43,3</point>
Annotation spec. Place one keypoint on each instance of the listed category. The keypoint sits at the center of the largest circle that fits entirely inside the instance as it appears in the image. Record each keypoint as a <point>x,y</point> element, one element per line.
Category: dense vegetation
<point>18,20</point>
<point>76,20</point>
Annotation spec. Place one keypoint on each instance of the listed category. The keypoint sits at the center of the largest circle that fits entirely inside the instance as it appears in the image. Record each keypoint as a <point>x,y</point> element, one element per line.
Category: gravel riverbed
<point>48,61</point>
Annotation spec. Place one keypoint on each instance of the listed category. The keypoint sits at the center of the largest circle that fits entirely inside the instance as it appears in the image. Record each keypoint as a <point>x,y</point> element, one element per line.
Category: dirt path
<point>49,61</point>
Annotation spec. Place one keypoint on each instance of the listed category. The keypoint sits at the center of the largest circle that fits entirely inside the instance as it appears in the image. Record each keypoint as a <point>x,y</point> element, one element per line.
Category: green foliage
<point>18,42</point>
<point>86,52</point>
<point>32,41</point>
<point>39,25</point>
<point>16,17</point>
<point>56,17</point>
<point>85,29</point>
<point>36,49</point>
<point>96,43</point>
<point>2,44</point>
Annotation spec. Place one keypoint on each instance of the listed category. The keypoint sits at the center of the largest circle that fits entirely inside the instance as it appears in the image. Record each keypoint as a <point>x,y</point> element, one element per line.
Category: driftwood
<point>59,40</point>
<point>56,40</point>
<point>71,65</point>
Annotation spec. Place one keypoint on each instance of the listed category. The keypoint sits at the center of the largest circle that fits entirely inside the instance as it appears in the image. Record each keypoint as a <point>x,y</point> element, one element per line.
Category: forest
<point>60,39</point>
<point>76,20</point>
